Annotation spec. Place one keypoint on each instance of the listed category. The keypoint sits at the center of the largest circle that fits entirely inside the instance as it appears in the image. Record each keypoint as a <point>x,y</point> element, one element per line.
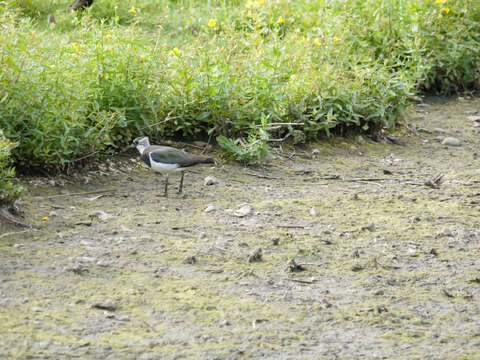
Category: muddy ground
<point>384,265</point>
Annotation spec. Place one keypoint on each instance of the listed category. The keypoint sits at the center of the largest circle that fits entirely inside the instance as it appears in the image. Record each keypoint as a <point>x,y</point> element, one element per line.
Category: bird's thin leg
<point>166,185</point>
<point>181,183</point>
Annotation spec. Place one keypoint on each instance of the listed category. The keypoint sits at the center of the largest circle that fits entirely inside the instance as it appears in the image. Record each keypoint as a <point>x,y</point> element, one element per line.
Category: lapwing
<point>80,4</point>
<point>166,160</point>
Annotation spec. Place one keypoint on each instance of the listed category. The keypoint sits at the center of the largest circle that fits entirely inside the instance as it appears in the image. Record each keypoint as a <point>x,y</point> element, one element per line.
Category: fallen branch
<point>262,176</point>
<point>291,226</point>
<point>4,215</point>
<point>16,232</point>
<point>301,281</point>
<point>76,194</point>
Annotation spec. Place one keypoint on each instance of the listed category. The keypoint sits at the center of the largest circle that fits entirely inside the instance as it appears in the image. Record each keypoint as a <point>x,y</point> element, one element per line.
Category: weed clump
<point>92,81</point>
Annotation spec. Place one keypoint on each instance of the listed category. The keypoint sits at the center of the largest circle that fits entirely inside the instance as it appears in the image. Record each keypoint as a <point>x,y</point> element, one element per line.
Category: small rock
<point>256,255</point>
<point>315,152</point>
<point>52,213</point>
<point>440,130</point>
<point>369,227</point>
<point>361,140</point>
<point>210,208</point>
<point>210,180</point>
<point>434,252</point>
<point>125,229</point>
<point>475,172</point>
<point>108,305</point>
<point>100,214</point>
<point>190,260</point>
<point>474,118</point>
<point>314,211</point>
<point>451,141</point>
<point>292,266</point>
<point>444,233</point>
<point>243,210</point>
<point>276,240</point>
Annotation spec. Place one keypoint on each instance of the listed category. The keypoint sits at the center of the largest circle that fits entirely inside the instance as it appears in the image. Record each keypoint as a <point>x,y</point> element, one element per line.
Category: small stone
<point>108,305</point>
<point>440,130</point>
<point>243,210</point>
<point>210,208</point>
<point>101,215</point>
<point>475,172</point>
<point>315,152</point>
<point>210,180</point>
<point>256,255</point>
<point>276,240</point>
<point>292,266</point>
<point>314,211</point>
<point>361,140</point>
<point>451,141</point>
<point>474,118</point>
<point>445,233</point>
<point>190,260</point>
<point>369,227</point>
<point>52,213</point>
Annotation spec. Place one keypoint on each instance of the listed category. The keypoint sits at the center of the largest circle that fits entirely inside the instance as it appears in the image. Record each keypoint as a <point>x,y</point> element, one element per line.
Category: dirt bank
<point>387,267</point>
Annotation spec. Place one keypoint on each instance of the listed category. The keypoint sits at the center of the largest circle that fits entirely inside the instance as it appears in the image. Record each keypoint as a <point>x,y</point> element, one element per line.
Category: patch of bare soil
<point>365,250</point>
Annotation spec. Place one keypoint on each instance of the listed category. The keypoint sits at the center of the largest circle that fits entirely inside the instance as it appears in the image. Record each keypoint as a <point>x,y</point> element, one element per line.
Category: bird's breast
<point>165,168</point>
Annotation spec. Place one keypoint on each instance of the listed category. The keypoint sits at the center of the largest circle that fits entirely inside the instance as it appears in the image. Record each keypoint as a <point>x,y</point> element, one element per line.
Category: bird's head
<point>141,143</point>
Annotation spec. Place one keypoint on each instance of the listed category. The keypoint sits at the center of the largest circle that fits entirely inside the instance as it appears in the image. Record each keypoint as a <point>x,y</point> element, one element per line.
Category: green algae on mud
<point>390,264</point>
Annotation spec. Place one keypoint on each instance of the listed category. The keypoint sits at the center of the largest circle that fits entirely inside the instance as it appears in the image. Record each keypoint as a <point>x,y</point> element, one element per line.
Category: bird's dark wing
<point>168,155</point>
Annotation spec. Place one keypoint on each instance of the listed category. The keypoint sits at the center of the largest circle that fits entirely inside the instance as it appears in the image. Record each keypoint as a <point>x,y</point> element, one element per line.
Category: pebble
<point>108,305</point>
<point>256,255</point>
<point>451,141</point>
<point>243,210</point>
<point>100,214</point>
<point>315,153</point>
<point>474,118</point>
<point>210,180</point>
<point>210,208</point>
<point>314,211</point>
<point>444,233</point>
<point>52,213</point>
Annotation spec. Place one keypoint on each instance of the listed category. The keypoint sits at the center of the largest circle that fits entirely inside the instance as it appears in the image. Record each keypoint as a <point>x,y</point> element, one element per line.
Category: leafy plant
<point>9,191</point>
<point>251,150</point>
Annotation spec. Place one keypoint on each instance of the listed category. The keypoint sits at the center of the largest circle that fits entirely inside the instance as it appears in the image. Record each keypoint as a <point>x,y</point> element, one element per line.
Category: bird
<point>166,159</point>
<point>80,4</point>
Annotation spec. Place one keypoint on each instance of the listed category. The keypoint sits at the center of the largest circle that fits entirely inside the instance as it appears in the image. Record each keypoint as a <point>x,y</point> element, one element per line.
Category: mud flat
<point>365,250</point>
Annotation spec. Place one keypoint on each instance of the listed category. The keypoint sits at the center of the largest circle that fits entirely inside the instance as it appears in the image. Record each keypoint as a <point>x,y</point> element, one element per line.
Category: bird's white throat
<point>142,144</point>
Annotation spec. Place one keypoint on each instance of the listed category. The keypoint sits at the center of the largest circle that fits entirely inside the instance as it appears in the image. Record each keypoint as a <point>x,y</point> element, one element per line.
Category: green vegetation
<point>8,190</point>
<point>95,79</point>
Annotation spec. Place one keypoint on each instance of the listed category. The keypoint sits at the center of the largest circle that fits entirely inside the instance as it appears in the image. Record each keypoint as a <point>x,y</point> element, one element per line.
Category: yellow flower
<point>111,51</point>
<point>75,46</point>
<point>45,218</point>
<point>141,57</point>
<point>303,40</point>
<point>132,10</point>
<point>249,13</point>
<point>317,42</point>
<point>249,4</point>
<point>52,66</point>
<point>258,3</point>
<point>175,51</point>
<point>447,10</point>
<point>212,23</point>
<point>336,39</point>
<point>440,1</point>
<point>280,20</point>
<point>108,36</point>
